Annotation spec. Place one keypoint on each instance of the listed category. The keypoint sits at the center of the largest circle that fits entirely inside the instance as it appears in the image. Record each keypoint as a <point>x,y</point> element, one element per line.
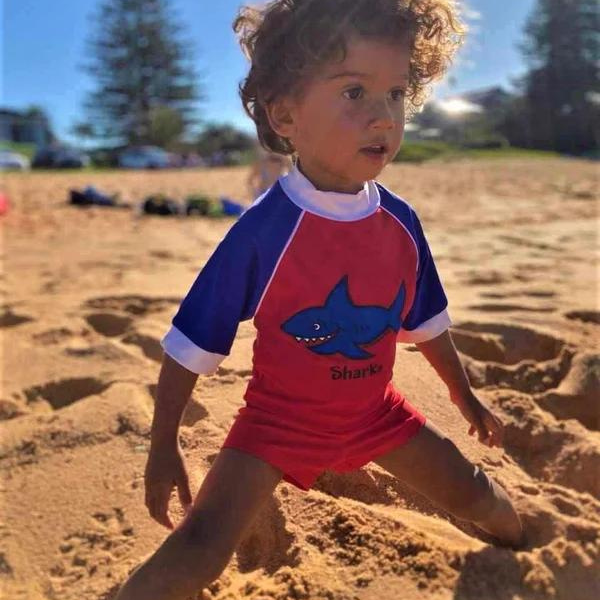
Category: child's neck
<point>325,183</point>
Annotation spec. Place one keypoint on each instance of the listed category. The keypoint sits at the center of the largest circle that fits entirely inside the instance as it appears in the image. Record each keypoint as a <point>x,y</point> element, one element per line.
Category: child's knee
<point>190,558</point>
<point>202,541</point>
<point>194,556</point>
<point>475,499</point>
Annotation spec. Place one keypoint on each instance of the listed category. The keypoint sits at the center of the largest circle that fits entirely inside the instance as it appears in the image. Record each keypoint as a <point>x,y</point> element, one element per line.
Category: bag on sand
<point>231,208</point>
<point>91,196</point>
<point>198,205</point>
<point>160,205</point>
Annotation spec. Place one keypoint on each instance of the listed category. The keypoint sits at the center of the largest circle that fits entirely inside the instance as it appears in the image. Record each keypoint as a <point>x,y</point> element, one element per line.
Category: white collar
<point>330,205</point>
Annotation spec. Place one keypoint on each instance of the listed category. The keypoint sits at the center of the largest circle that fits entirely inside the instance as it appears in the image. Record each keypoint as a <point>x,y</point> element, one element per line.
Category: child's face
<point>346,108</point>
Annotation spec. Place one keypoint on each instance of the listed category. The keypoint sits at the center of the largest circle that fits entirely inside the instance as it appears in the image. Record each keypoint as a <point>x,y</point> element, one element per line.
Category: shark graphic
<point>342,326</point>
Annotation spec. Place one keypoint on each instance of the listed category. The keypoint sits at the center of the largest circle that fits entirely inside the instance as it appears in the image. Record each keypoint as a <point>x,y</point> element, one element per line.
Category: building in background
<point>27,127</point>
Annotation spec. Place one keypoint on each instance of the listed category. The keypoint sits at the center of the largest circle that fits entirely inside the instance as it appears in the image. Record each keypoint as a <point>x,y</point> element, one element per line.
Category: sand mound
<point>577,396</point>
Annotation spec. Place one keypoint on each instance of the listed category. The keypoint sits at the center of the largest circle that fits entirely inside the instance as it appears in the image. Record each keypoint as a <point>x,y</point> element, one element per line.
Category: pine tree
<point>562,88</point>
<point>141,66</point>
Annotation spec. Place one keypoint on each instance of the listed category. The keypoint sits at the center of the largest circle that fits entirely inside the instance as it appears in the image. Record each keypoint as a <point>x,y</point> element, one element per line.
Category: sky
<point>43,46</point>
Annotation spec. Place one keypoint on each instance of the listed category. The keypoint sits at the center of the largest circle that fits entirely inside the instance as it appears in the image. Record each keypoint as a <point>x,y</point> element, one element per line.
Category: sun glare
<point>458,107</point>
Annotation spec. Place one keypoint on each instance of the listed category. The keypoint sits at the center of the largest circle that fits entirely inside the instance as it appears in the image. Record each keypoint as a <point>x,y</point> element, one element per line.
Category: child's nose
<point>383,115</point>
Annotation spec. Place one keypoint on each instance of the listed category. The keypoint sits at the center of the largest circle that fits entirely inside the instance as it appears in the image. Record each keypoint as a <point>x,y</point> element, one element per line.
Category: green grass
<point>418,152</point>
<point>93,170</point>
<point>27,150</point>
<point>507,153</point>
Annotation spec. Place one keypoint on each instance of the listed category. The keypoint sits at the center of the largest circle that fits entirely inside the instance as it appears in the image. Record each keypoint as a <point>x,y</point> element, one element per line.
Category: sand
<point>88,293</point>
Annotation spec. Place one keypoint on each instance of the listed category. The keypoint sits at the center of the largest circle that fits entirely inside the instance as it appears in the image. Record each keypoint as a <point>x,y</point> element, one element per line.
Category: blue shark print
<point>342,326</point>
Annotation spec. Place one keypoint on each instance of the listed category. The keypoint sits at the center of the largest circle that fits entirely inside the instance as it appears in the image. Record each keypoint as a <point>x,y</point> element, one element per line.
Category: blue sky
<point>44,41</point>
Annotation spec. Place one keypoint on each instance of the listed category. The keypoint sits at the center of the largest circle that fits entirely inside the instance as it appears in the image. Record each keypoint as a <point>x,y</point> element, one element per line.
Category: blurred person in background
<point>267,169</point>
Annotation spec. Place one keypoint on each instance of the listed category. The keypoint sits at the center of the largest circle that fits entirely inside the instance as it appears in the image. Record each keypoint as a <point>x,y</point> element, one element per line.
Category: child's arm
<point>443,357</point>
<point>165,467</point>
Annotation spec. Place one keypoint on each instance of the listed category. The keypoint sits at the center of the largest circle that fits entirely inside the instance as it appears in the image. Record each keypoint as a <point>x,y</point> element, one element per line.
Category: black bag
<point>160,205</point>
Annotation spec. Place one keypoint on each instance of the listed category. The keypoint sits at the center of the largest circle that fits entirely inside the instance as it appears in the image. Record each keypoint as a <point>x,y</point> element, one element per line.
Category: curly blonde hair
<point>286,40</point>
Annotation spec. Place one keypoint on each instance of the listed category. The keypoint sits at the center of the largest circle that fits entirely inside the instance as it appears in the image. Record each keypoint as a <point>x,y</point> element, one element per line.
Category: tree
<point>223,138</point>
<point>561,89</point>
<point>166,126</point>
<point>83,131</point>
<point>142,68</point>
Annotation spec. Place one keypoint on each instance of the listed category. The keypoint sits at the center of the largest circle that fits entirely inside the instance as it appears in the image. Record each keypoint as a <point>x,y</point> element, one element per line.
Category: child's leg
<point>432,465</point>
<point>197,552</point>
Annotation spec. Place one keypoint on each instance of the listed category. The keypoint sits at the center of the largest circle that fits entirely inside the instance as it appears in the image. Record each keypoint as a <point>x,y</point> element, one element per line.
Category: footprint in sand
<point>149,345</point>
<point>474,277</point>
<point>167,255</point>
<point>587,316</point>
<point>53,336</point>
<point>63,392</point>
<point>511,308</point>
<point>10,319</point>
<point>121,323</point>
<point>132,304</point>
<point>529,243</point>
<point>539,293</point>
<point>506,344</point>
<point>90,551</point>
<point>80,344</point>
<point>513,294</point>
<point>109,324</point>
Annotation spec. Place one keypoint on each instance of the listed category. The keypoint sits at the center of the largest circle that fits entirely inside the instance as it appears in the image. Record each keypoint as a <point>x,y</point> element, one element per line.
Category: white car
<point>13,161</point>
<point>144,157</point>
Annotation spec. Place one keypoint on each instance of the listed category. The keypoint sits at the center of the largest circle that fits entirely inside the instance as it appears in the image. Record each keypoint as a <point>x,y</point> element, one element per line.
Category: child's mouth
<point>376,152</point>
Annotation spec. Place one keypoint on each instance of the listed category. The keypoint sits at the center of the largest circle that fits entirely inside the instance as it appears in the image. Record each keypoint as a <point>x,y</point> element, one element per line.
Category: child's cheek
<point>354,117</point>
<point>353,110</point>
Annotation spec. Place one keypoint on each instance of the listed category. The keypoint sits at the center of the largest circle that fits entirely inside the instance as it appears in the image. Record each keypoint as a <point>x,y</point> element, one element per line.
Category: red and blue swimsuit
<point>332,282</point>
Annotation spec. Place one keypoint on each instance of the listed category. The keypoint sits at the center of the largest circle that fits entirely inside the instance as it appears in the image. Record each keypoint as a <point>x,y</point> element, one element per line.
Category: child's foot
<point>515,540</point>
<point>503,522</point>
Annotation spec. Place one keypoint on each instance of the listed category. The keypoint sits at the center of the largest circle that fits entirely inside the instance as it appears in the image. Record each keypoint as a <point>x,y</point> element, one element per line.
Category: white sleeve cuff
<point>427,330</point>
<point>188,355</point>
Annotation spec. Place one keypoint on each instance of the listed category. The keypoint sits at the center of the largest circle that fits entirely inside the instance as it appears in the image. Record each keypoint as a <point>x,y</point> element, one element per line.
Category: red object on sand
<point>4,204</point>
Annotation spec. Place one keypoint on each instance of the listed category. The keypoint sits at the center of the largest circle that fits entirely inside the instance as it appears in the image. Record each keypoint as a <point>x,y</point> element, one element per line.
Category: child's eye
<point>353,93</point>
<point>398,94</point>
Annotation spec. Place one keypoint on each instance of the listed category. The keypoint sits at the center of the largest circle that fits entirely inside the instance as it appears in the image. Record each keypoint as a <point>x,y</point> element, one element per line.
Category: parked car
<point>60,157</point>
<point>13,161</point>
<point>144,157</point>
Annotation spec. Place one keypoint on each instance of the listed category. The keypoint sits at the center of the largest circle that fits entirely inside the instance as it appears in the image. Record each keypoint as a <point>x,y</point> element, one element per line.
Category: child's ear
<point>281,117</point>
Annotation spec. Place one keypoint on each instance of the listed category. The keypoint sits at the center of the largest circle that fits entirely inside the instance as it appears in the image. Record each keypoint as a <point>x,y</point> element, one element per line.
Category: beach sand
<point>88,294</point>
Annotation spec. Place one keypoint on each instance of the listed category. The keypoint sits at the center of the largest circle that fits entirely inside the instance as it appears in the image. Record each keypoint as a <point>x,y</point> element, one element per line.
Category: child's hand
<point>165,468</point>
<point>487,425</point>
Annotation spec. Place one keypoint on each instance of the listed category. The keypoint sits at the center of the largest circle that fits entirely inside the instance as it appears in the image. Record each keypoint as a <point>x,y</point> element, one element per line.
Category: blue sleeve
<point>428,316</point>
<point>223,294</point>
<point>231,284</point>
